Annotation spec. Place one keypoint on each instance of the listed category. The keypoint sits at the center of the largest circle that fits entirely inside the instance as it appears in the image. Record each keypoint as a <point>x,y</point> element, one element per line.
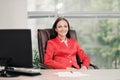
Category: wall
<point>13,14</point>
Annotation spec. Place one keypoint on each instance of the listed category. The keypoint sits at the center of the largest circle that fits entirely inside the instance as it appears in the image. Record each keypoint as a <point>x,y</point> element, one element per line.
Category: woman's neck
<point>62,37</point>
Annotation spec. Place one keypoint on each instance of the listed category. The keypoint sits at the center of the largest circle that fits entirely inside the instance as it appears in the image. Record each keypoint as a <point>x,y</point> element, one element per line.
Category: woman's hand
<point>71,69</point>
<point>83,68</point>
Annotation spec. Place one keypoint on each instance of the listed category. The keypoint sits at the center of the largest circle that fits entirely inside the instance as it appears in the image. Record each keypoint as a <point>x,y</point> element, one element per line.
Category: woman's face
<point>62,28</point>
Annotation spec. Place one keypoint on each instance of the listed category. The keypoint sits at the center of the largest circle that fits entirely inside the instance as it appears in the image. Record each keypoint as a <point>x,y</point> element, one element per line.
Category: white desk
<point>50,74</point>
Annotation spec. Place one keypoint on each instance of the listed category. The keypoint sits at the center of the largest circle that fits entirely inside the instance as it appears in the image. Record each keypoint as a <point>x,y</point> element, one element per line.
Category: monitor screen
<point>15,45</point>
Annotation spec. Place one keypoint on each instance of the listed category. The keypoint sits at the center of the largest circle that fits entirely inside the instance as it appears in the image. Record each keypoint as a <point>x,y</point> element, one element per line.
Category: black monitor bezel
<point>21,61</point>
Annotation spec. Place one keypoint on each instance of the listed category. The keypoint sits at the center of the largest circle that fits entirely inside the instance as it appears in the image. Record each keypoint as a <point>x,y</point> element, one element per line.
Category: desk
<point>92,74</point>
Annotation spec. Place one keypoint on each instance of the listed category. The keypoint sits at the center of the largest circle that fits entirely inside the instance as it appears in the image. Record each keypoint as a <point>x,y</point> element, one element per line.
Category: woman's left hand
<point>83,68</point>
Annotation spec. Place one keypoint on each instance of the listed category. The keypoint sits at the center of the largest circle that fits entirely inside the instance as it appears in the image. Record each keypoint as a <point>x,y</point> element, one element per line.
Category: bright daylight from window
<point>97,23</point>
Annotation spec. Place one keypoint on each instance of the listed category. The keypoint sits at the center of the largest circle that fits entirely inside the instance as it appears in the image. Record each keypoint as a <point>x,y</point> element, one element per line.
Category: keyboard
<point>23,72</point>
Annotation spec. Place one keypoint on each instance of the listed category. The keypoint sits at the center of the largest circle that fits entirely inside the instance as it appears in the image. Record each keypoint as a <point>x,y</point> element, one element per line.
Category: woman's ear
<point>55,29</point>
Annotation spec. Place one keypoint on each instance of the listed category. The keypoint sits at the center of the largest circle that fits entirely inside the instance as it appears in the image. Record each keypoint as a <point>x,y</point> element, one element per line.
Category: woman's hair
<point>54,33</point>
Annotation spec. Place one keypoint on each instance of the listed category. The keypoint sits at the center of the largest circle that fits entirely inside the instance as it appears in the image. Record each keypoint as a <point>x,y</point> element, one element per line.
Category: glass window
<point>97,23</point>
<point>100,39</point>
<point>41,5</point>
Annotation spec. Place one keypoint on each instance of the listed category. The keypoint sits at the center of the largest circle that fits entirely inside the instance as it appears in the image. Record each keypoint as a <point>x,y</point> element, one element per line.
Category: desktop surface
<point>52,74</point>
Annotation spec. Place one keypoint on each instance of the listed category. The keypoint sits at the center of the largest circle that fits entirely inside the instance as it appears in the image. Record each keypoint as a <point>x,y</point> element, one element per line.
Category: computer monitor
<point>16,48</point>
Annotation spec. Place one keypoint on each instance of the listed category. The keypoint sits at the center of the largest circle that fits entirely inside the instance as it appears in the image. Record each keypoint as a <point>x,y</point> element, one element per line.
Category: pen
<point>71,72</point>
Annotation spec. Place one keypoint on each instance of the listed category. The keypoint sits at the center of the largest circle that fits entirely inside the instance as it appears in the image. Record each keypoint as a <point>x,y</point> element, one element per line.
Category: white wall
<point>13,14</point>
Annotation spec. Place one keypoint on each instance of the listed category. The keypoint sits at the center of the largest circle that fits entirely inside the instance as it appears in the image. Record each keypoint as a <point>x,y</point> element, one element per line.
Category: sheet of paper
<point>70,74</point>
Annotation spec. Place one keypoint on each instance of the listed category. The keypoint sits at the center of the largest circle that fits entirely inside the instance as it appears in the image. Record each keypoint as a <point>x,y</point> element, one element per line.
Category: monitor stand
<point>6,73</point>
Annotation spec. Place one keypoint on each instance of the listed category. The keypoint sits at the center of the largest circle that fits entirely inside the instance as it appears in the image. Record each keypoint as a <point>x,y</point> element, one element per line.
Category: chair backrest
<point>43,37</point>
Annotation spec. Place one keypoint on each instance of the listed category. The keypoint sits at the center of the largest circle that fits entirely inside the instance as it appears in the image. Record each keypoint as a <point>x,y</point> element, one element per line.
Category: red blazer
<point>60,56</point>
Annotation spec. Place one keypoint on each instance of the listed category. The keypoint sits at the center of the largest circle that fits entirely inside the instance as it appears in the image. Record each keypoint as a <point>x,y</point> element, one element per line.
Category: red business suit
<point>60,56</point>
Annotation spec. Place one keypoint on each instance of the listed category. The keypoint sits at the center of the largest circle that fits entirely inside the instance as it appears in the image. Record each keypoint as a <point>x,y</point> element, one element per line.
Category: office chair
<point>43,37</point>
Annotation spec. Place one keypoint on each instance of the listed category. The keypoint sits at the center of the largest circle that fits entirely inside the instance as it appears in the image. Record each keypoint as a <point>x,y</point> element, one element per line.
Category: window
<point>97,23</point>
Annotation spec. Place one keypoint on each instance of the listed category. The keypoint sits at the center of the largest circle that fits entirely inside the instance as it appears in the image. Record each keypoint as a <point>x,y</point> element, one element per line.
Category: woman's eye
<point>65,26</point>
<point>59,26</point>
<point>62,26</point>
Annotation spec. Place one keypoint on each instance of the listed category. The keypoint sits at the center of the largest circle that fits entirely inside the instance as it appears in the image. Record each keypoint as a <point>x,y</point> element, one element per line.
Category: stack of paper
<point>70,74</point>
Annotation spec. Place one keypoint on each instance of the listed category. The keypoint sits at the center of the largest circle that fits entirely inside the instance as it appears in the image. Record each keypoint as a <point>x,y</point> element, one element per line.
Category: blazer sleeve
<point>82,55</point>
<point>49,55</point>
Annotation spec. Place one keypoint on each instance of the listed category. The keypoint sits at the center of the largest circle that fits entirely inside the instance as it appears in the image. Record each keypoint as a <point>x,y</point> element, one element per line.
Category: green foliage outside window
<point>109,38</point>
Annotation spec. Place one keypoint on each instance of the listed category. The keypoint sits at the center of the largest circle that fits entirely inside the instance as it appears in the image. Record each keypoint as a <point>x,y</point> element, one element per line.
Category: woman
<point>61,50</point>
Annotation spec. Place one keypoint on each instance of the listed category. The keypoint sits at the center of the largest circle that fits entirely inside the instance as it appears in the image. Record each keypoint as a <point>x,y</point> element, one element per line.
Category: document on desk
<point>70,74</point>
